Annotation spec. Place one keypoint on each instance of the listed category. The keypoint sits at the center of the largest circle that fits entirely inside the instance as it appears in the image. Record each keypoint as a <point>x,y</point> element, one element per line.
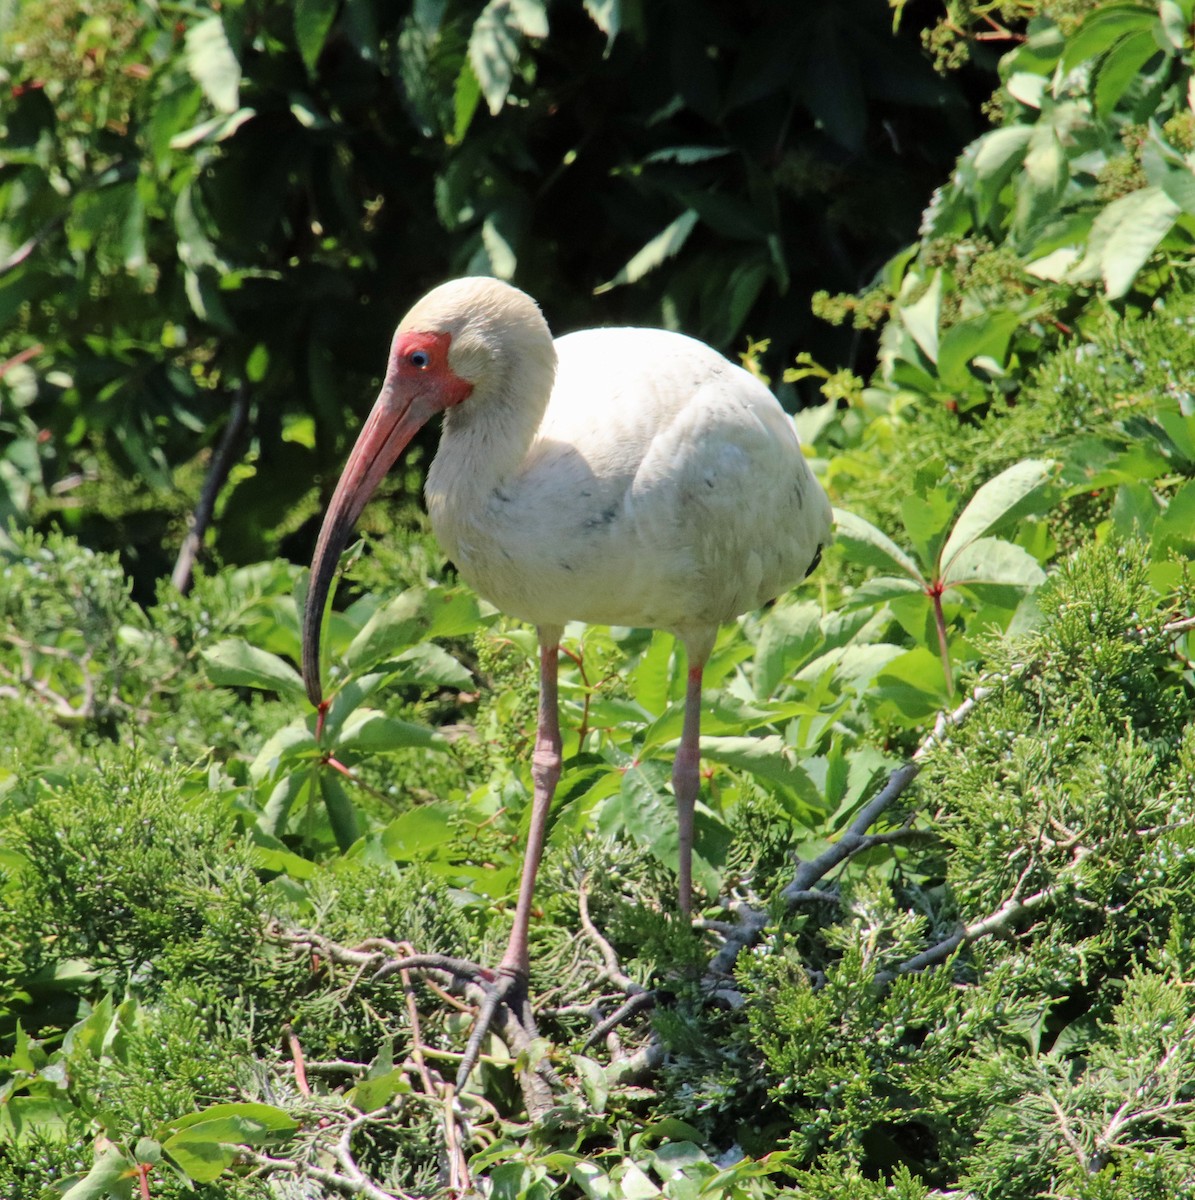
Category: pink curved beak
<point>395,419</point>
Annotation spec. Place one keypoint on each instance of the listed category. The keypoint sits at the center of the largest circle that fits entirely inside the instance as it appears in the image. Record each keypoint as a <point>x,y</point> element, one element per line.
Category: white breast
<point>665,487</point>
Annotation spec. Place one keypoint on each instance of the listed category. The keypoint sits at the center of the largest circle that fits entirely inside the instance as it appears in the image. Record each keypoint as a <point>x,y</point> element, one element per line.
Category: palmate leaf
<point>1011,494</point>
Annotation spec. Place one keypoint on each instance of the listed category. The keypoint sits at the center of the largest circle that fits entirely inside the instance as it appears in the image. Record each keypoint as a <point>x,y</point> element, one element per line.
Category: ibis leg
<point>515,967</point>
<point>685,784</point>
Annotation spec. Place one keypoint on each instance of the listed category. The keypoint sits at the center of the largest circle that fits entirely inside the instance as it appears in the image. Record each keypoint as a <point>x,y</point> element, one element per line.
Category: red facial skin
<point>419,384</point>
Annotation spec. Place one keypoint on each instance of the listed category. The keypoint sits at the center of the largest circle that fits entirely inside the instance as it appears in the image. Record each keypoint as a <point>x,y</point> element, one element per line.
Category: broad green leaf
<point>377,1091</point>
<point>593,1081</point>
<point>419,832</point>
<point>313,20</point>
<point>662,247</point>
<point>998,153</point>
<point>1176,24</point>
<point>879,590</point>
<point>1121,67</point>
<point>789,634</point>
<point>1012,493</point>
<point>111,1178</point>
<point>26,1118</point>
<point>247,1122</point>
<point>430,665</point>
<point>923,316</point>
<point>650,681</point>
<point>1044,179</point>
<point>914,683</point>
<point>465,98</point>
<point>768,758</point>
<point>987,336</point>
<point>213,64</point>
<point>394,626</point>
<point>451,612</point>
<point>926,517</point>
<point>291,742</point>
<point>367,729</point>
<point>494,45</point>
<point>342,812</point>
<point>868,545</point>
<point>235,663</point>
<point>993,560</point>
<point>1124,235</point>
<point>1101,29</point>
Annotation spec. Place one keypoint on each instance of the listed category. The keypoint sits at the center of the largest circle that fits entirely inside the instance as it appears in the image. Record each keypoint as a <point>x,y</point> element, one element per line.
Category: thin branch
<point>998,922</point>
<point>221,464</point>
<point>753,921</point>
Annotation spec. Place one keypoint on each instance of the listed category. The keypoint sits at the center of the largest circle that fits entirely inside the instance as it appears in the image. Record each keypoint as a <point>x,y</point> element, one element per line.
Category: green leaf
<point>1123,236</point>
<point>993,560</point>
<point>662,247</point>
<point>235,663</point>
<point>369,730</point>
<point>982,337</point>
<point>419,832</point>
<point>593,1081</point>
<point>789,635</point>
<point>293,741</point>
<point>394,626</point>
<point>494,46</point>
<point>465,98</point>
<point>922,317</point>
<point>313,20</point>
<point>213,64</point>
<point>1101,29</point>
<point>879,590</point>
<point>607,16</point>
<point>866,544</point>
<point>1121,67</point>
<point>111,1178</point>
<point>377,1091</point>
<point>342,815</point>
<point>768,758</point>
<point>1012,493</point>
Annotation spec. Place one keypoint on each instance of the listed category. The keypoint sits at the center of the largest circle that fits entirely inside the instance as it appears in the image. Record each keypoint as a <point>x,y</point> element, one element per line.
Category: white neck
<point>486,437</point>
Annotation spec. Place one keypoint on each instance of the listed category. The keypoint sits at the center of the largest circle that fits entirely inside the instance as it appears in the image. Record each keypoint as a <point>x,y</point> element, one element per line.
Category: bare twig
<point>752,921</point>
<point>221,464</point>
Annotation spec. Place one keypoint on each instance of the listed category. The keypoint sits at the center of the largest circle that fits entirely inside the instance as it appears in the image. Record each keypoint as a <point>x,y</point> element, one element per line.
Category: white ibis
<point>618,476</point>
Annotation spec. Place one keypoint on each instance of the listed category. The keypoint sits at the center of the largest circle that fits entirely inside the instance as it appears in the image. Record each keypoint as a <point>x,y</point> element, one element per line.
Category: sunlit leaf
<point>235,663</point>
<point>213,63</point>
<point>870,546</point>
<point>662,247</point>
<point>1010,494</point>
<point>313,20</point>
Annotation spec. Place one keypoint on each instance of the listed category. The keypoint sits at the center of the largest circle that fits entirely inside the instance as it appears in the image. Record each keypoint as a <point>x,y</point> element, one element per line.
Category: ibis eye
<point>419,358</point>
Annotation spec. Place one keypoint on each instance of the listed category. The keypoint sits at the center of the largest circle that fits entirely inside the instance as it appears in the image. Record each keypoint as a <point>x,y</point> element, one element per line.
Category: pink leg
<point>686,782</point>
<point>515,966</point>
<point>545,772</point>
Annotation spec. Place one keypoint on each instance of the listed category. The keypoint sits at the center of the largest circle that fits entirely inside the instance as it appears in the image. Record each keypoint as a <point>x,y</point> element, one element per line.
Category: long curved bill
<point>393,422</point>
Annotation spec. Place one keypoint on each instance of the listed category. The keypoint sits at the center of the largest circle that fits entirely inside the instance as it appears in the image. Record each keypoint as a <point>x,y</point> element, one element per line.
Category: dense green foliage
<point>945,848</point>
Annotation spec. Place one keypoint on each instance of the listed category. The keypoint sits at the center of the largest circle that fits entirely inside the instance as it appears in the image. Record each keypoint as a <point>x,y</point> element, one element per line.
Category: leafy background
<point>945,845</point>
